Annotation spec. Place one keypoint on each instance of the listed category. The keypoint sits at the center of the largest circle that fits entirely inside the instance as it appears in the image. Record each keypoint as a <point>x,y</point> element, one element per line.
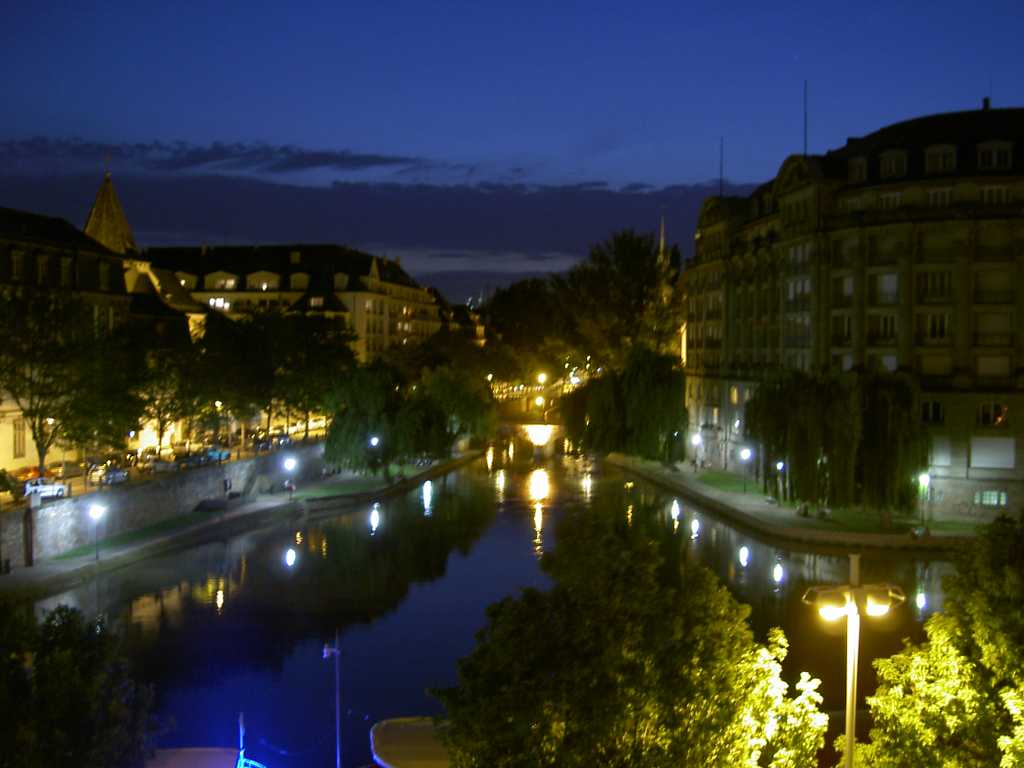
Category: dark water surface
<point>239,624</point>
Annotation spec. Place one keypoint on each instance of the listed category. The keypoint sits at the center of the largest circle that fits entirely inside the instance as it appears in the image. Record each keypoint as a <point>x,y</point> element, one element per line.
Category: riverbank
<point>327,496</point>
<point>751,510</point>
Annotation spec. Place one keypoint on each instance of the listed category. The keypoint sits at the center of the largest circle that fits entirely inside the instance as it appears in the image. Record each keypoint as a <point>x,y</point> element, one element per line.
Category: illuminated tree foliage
<point>637,411</point>
<point>633,658</point>
<point>67,695</point>
<point>835,430</point>
<point>955,700</point>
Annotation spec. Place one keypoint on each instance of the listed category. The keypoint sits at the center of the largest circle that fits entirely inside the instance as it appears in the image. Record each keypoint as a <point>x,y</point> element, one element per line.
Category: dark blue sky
<point>436,94</point>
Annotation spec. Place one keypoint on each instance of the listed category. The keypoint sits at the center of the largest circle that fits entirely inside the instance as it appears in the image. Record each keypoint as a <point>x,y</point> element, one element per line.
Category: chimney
<point>986,103</point>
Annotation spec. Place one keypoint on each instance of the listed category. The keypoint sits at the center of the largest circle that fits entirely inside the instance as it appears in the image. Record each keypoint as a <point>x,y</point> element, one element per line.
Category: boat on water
<point>407,742</point>
<point>206,757</point>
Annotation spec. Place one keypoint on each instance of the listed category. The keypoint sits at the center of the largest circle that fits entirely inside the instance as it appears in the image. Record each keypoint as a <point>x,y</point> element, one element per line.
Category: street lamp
<point>542,378</point>
<point>289,464</point>
<point>374,441</point>
<point>745,455</point>
<point>850,600</point>
<point>96,512</point>
<point>335,651</point>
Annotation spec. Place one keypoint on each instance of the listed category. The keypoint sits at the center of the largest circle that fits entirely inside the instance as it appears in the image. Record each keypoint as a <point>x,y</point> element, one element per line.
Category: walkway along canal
<point>239,622</point>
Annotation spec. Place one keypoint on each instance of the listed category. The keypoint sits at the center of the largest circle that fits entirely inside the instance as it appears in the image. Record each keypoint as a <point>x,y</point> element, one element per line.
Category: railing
<point>924,297</point>
<point>879,339</point>
<point>993,297</point>
<point>923,339</point>
<point>842,340</point>
<point>885,297</point>
<point>993,339</point>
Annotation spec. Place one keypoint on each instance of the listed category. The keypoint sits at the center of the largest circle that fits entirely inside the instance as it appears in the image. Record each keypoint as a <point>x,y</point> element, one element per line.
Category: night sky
<point>386,110</point>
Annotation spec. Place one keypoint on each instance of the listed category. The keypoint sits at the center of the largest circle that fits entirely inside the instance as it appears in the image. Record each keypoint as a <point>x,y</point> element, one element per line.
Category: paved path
<point>756,513</point>
<point>57,574</point>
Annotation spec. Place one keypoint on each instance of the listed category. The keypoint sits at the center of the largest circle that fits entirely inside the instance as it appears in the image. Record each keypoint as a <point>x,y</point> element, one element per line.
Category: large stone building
<point>374,296</point>
<point>902,250</point>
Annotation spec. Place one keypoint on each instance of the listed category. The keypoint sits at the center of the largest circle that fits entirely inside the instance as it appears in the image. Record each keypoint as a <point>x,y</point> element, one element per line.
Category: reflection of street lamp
<point>335,651</point>
<point>924,483</point>
<point>290,557</point>
<point>849,600</point>
<point>745,455</point>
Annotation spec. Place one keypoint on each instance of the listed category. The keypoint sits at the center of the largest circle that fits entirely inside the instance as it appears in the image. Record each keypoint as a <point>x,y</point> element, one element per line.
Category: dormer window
<point>995,156</point>
<point>858,170</point>
<point>316,301</point>
<point>940,159</point>
<point>893,164</point>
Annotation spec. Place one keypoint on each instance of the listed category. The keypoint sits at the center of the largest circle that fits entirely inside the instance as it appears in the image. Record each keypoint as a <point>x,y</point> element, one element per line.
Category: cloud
<point>70,155</point>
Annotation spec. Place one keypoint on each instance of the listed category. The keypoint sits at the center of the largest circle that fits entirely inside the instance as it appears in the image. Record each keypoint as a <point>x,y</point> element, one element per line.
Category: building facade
<point>374,296</point>
<point>901,251</point>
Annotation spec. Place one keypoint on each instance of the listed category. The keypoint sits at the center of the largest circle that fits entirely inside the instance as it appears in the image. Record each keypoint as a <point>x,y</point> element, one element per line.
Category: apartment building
<point>903,250</point>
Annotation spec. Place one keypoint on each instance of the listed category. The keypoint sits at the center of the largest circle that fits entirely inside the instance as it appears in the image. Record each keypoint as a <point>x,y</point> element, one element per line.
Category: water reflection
<point>231,622</point>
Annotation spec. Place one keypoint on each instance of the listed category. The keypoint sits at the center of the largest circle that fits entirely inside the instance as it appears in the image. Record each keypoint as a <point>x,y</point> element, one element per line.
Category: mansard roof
<point>107,223</point>
<point>279,259</point>
<point>33,228</point>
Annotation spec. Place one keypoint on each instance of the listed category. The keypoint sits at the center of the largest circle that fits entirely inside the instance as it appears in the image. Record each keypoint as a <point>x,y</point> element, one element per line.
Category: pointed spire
<point>107,223</point>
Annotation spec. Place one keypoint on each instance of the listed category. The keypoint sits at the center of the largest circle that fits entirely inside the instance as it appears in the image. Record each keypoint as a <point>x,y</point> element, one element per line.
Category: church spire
<point>107,223</point>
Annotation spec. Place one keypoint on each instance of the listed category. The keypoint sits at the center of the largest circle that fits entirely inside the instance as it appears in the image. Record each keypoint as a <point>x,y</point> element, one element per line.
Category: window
<point>934,285</point>
<point>886,287</point>
<point>993,415</point>
<point>932,412</point>
<point>991,498</point>
<point>104,276</point>
<point>65,272</point>
<point>932,326</point>
<point>316,301</point>
<point>734,395</point>
<point>940,198</point>
<point>19,438</point>
<point>995,156</point>
<point>993,195</point>
<point>940,159</point>
<point>295,257</point>
<point>858,170</point>
<point>893,165</point>
<point>17,265</point>
<point>225,284</point>
<point>42,267</point>
<point>890,200</point>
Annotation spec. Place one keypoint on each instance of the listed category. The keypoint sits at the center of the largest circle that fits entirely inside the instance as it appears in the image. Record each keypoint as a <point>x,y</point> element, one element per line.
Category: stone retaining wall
<point>65,524</point>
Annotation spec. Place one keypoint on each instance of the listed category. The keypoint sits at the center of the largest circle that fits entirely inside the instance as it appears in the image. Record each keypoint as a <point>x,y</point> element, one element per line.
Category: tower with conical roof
<point>107,223</point>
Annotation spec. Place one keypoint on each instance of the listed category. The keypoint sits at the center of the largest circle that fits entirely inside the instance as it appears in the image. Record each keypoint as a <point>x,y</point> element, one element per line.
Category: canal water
<point>240,623</point>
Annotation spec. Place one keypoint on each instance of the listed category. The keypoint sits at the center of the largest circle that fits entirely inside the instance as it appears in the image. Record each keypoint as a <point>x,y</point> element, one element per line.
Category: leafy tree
<point>465,402</point>
<point>955,699</point>
<point>622,296</point>
<point>367,403</point>
<point>67,694</point>
<point>167,391</point>
<point>632,658</point>
<point>531,319</point>
<point>69,382</point>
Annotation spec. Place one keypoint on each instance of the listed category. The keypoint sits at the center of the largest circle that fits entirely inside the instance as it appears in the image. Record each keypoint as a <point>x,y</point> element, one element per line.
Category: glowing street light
<point>542,378</point>
<point>780,466</point>
<point>96,513</point>
<point>745,454</point>
<point>924,483</point>
<point>696,440</point>
<point>849,600</point>
<point>539,401</point>
<point>289,464</point>
<point>374,441</point>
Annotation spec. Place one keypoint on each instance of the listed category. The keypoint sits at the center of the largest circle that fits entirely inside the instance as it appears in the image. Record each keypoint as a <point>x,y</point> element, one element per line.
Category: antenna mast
<point>805,118</point>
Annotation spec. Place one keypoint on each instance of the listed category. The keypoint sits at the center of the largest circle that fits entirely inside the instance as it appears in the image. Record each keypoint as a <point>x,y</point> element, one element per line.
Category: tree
<point>67,694</point>
<point>955,699</point>
<point>367,404</point>
<point>632,658</point>
<point>69,381</point>
<point>529,317</point>
<point>622,296</point>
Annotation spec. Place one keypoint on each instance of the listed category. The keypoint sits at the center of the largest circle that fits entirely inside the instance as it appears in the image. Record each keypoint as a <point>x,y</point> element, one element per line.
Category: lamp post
<point>745,455</point>
<point>696,440</point>
<point>335,651</point>
<point>849,600</point>
<point>289,464</point>
<point>96,512</point>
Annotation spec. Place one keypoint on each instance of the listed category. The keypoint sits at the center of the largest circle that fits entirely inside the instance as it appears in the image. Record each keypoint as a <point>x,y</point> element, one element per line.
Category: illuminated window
<point>19,438</point>
<point>734,395</point>
<point>993,415</point>
<point>316,301</point>
<point>990,498</point>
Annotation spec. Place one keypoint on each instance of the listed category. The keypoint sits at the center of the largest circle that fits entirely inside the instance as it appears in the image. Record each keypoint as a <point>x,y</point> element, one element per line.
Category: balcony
<point>885,298</point>
<point>994,297</point>
<point>924,297</point>
<point>922,339</point>
<point>879,339</point>
<point>842,340</point>
<point>993,339</point>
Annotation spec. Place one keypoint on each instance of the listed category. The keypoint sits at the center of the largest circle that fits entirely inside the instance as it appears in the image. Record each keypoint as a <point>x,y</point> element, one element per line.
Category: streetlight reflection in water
<point>374,517</point>
<point>428,497</point>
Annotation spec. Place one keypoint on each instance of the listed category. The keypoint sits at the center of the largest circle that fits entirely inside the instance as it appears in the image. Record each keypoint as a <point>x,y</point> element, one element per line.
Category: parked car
<point>26,473</point>
<point>190,460</point>
<point>44,488</point>
<point>107,473</point>
<point>62,470</point>
<point>217,453</point>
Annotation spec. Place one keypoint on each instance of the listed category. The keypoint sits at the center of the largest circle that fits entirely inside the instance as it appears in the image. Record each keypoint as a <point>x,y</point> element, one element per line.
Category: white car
<point>44,487</point>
